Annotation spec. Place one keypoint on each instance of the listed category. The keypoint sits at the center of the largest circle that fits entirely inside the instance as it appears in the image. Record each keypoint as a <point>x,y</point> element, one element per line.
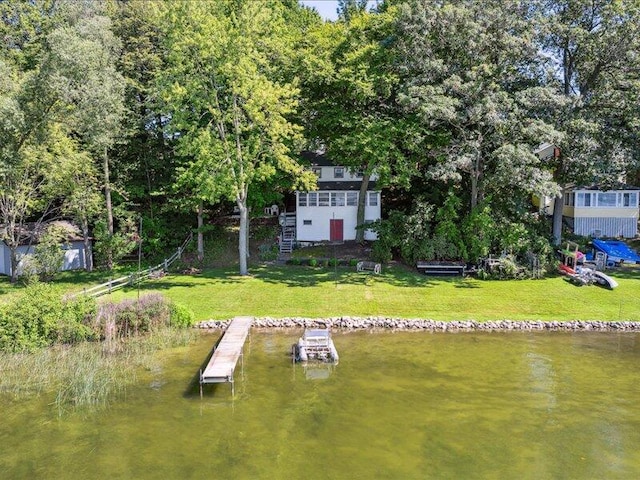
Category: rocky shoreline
<point>364,323</point>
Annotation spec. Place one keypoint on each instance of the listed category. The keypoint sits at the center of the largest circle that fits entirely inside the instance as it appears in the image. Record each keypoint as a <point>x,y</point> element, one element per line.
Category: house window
<point>323,199</point>
<point>352,199</point>
<point>606,199</point>
<point>302,199</point>
<point>630,199</point>
<point>583,200</point>
<point>306,222</point>
<point>338,172</point>
<point>358,173</point>
<point>337,199</point>
<point>373,199</point>
<point>313,199</point>
<point>569,199</point>
<point>317,171</point>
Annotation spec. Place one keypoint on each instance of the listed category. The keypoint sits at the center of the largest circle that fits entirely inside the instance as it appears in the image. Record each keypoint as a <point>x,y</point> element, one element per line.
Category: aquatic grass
<point>89,374</point>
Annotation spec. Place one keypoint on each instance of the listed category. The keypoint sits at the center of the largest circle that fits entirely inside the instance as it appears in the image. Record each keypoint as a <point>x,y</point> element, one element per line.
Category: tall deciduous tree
<point>471,69</point>
<point>352,106</point>
<point>594,46</point>
<point>230,101</point>
<point>83,58</point>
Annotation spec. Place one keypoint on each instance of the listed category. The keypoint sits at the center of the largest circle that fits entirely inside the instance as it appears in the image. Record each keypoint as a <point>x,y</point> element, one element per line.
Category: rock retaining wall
<point>360,323</point>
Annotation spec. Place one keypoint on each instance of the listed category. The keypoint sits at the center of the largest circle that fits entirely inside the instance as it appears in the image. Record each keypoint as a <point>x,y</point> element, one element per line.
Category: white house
<point>74,251</point>
<point>329,214</point>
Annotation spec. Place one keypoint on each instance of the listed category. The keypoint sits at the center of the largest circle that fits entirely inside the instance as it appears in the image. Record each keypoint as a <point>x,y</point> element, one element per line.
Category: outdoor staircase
<point>288,236</point>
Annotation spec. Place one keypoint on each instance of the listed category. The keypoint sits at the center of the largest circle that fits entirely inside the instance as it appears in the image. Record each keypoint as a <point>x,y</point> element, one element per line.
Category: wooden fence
<point>136,277</point>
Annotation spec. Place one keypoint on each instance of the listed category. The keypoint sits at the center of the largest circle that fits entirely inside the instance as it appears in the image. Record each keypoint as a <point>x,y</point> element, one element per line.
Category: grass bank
<point>282,291</point>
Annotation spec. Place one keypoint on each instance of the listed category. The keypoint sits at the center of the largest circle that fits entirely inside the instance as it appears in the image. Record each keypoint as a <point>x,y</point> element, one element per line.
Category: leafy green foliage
<point>39,317</point>
<point>49,253</point>
<point>111,248</point>
<point>181,316</point>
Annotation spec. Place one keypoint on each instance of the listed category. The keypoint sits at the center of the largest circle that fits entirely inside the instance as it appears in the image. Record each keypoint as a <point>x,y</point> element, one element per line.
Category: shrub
<point>48,252</point>
<point>268,251</point>
<point>333,262</point>
<point>295,261</point>
<point>313,262</point>
<point>131,317</point>
<point>353,262</point>
<point>181,316</point>
<point>39,317</point>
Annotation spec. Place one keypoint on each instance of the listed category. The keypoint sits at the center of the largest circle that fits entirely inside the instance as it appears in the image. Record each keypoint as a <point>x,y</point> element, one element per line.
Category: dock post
<point>200,384</point>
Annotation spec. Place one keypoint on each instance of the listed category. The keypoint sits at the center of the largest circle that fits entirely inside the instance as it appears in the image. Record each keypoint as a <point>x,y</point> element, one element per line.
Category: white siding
<point>74,257</point>
<point>606,227</point>
<point>4,270</point>
<point>320,217</point>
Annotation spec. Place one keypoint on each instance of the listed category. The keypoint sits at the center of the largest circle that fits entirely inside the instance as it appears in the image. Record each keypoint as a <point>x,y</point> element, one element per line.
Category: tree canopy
<point>114,109</point>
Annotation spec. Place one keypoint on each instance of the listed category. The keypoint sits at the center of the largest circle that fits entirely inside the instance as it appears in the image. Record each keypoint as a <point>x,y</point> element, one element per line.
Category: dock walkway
<point>225,356</point>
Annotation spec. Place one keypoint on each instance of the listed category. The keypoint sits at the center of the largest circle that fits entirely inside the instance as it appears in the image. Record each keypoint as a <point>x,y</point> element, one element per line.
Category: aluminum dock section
<point>226,354</point>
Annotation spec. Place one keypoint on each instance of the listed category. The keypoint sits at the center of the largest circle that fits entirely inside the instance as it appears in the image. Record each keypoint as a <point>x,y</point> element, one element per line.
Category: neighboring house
<point>329,214</point>
<point>593,212</point>
<point>74,251</point>
<point>590,211</point>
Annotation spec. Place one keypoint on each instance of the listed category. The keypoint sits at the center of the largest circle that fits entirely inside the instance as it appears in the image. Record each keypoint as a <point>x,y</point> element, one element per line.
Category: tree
<point>347,9</point>
<point>230,104</point>
<point>83,58</point>
<point>595,48</point>
<point>351,86</point>
<point>471,70</point>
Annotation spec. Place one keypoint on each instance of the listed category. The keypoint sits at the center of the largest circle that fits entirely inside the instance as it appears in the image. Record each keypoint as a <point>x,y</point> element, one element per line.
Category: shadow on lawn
<point>299,276</point>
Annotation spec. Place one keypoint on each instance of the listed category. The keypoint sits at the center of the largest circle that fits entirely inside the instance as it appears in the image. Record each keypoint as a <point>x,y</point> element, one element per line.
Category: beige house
<point>599,213</point>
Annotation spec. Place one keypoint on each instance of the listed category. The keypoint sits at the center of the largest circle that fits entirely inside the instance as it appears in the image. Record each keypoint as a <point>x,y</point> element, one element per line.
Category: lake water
<point>398,406</point>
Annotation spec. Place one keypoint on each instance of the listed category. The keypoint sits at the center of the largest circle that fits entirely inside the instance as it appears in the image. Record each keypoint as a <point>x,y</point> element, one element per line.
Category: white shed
<point>74,250</point>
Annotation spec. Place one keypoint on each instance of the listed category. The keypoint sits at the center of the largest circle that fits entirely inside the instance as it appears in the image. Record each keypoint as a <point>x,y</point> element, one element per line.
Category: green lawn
<point>308,292</point>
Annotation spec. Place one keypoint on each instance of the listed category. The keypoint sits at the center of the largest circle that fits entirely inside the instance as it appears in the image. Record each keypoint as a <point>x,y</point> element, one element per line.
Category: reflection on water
<point>399,406</point>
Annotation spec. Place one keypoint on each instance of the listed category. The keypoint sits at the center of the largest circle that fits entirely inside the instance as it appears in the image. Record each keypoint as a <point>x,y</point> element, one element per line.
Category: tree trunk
<point>243,241</point>
<point>200,234</point>
<point>362,198</point>
<point>107,192</point>
<point>558,203</point>
<point>13,253</point>
<point>88,254</point>
<point>476,186</point>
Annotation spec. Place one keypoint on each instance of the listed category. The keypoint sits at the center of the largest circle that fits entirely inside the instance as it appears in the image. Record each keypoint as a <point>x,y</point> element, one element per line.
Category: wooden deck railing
<point>136,277</point>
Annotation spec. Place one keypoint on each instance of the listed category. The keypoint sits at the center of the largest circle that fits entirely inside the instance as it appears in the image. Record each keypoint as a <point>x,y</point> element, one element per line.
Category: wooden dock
<point>226,354</point>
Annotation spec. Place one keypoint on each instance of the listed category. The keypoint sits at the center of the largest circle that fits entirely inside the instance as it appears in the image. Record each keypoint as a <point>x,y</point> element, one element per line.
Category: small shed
<point>74,250</point>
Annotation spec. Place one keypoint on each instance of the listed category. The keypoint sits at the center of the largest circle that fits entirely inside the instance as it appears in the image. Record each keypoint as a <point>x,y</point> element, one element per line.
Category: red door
<point>336,230</point>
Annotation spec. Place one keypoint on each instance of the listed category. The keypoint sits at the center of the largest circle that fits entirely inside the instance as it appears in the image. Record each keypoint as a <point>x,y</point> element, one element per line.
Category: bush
<point>333,262</point>
<point>268,251</point>
<point>130,317</point>
<point>313,262</point>
<point>39,317</point>
<point>181,316</point>
<point>295,261</point>
<point>353,262</point>
<point>48,252</point>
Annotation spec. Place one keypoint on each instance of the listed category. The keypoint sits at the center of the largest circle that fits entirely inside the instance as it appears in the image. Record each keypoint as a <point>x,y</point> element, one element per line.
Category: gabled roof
<point>32,232</point>
<point>355,186</point>
<point>608,189</point>
<point>316,159</point>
